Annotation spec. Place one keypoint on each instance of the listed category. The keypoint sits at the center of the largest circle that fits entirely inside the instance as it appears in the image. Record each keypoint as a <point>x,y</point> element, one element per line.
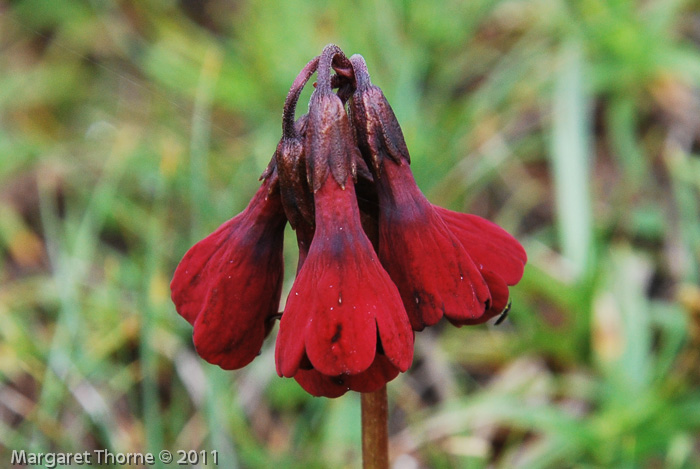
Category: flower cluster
<point>377,261</point>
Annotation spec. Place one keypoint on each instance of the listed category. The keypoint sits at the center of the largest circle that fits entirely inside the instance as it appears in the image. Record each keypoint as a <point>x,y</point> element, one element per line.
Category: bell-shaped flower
<point>343,310</point>
<point>377,261</point>
<point>431,268</point>
<point>433,271</point>
<point>343,307</point>
<point>228,285</point>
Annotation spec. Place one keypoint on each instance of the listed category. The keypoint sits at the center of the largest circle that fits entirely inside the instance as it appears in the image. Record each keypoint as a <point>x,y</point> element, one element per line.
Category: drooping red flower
<point>434,273</point>
<point>342,301</point>
<point>376,259</point>
<point>228,285</point>
<point>343,311</point>
<point>432,270</point>
<point>314,382</point>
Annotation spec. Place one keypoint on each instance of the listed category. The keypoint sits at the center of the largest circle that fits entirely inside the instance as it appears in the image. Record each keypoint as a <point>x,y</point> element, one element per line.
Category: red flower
<point>343,312</point>
<point>372,269</point>
<point>315,383</point>
<point>343,307</point>
<point>228,285</point>
<point>430,267</point>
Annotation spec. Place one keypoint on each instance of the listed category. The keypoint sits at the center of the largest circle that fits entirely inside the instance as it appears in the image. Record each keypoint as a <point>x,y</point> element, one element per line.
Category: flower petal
<point>431,268</point>
<point>435,275</point>
<point>488,244</point>
<point>343,337</point>
<point>499,300</point>
<point>370,380</point>
<point>229,284</point>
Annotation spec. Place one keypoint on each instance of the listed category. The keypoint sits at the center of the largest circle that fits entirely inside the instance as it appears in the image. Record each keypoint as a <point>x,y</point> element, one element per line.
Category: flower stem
<point>375,434</point>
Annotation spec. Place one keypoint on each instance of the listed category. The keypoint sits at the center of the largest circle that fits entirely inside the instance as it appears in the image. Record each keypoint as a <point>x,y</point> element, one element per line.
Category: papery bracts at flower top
<point>377,261</point>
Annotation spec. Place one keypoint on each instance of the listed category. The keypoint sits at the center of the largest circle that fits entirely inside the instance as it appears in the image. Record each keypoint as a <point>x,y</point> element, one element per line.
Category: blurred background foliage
<point>131,129</point>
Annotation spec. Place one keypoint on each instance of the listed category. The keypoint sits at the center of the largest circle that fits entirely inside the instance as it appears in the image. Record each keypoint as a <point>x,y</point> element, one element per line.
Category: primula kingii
<point>377,261</point>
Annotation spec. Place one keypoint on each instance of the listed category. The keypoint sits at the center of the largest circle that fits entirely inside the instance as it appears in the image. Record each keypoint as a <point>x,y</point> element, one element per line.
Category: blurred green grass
<point>129,130</point>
